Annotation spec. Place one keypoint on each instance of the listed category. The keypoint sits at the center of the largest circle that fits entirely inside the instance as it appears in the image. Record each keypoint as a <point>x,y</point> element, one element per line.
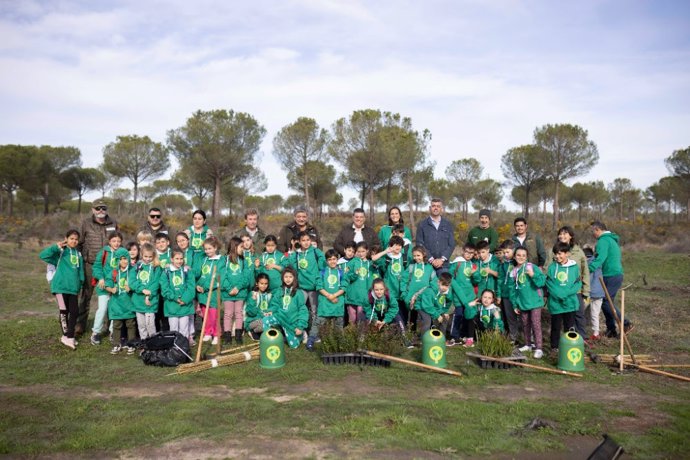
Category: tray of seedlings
<point>495,344</point>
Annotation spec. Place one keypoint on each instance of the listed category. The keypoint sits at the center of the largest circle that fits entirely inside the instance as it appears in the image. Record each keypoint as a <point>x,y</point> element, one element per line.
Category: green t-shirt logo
<point>286,301</point>
<point>74,259</point>
<point>176,280</point>
<point>123,283</point>
<point>362,272</point>
<point>206,269</point>
<point>418,273</point>
<point>144,276</point>
<point>113,262</point>
<point>196,242</point>
<point>234,267</point>
<point>331,280</point>
<point>303,264</point>
<point>263,305</point>
<point>562,277</point>
<point>396,267</point>
<point>484,272</point>
<point>467,271</point>
<point>522,279</point>
<point>163,263</point>
<point>270,261</point>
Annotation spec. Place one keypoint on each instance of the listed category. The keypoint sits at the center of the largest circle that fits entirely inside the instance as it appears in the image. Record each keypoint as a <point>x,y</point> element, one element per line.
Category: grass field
<point>87,403</point>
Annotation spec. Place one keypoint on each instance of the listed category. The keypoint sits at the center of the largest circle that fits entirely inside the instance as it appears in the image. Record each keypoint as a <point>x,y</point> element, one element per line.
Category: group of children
<point>151,286</point>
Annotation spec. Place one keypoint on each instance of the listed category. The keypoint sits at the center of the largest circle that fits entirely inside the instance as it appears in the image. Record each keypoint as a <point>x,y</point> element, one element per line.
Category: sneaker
<point>207,338</point>
<point>130,350</point>
<point>192,342</point>
<point>255,335</point>
<point>538,354</point>
<point>215,340</point>
<point>526,348</point>
<point>305,337</point>
<point>69,343</point>
<point>469,343</point>
<point>451,343</point>
<point>407,343</point>
<point>116,349</point>
<point>227,337</point>
<point>310,344</point>
<point>95,339</point>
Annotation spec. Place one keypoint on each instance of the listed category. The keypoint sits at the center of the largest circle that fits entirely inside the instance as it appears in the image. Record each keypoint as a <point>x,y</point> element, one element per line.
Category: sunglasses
<point>155,216</point>
<point>101,208</point>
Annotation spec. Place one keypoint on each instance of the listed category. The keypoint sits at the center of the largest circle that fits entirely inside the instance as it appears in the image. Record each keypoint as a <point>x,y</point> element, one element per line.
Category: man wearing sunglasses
<point>154,223</point>
<point>94,235</point>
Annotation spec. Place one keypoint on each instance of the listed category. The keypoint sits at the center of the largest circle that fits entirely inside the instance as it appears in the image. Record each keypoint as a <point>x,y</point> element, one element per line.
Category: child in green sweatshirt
<point>563,283</point>
<point>207,273</point>
<point>145,288</point>
<point>238,277</point>
<point>103,266</point>
<point>120,308</point>
<point>422,276</point>
<point>308,260</point>
<point>257,306</point>
<point>177,290</point>
<point>436,308</point>
<point>505,284</point>
<point>272,262</point>
<point>486,276</point>
<point>67,282</point>
<point>331,286</point>
<point>288,305</point>
<point>393,268</point>
<point>528,299</point>
<point>360,273</point>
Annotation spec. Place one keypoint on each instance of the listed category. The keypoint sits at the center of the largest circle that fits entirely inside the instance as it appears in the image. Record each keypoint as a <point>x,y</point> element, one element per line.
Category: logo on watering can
<point>574,356</point>
<point>273,353</point>
<point>436,353</point>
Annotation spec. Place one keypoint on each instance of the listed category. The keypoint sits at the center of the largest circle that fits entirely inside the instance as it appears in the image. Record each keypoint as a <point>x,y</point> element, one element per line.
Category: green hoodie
<point>527,294</point>
<point>103,266</point>
<point>387,231</point>
<point>120,304</point>
<point>202,274</point>
<point>381,308</point>
<point>308,265</point>
<point>505,283</point>
<point>395,274</point>
<point>578,255</point>
<point>563,283</point>
<point>274,258</point>
<point>177,284</point>
<point>164,258</point>
<point>238,275</point>
<point>360,277</point>
<point>433,303</point>
<point>146,277</point>
<point>331,280</point>
<point>258,304</point>
<point>290,309</point>
<point>608,255</point>
<point>463,290</point>
<point>482,278</point>
<point>196,239</point>
<point>422,276</point>
<point>69,271</point>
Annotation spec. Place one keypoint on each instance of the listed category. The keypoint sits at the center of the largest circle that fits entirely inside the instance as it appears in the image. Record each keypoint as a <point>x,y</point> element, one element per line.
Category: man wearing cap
<point>484,231</point>
<point>251,228</point>
<point>154,223</point>
<point>94,235</point>
<point>300,224</point>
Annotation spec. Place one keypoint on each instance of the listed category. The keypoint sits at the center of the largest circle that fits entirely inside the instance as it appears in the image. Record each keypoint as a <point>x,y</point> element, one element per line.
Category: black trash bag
<point>166,349</point>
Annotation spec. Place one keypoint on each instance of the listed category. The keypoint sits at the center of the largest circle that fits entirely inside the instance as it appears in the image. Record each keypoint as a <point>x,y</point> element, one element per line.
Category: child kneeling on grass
<point>289,309</point>
<point>120,307</point>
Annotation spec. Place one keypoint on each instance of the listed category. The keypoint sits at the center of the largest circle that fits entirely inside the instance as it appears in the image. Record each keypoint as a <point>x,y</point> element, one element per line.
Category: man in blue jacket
<point>435,233</point>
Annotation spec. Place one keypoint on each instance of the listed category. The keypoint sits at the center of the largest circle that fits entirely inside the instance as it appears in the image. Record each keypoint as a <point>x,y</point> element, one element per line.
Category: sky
<point>480,75</point>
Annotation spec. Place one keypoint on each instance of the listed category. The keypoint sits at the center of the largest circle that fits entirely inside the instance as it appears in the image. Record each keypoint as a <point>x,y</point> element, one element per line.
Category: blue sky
<point>480,75</point>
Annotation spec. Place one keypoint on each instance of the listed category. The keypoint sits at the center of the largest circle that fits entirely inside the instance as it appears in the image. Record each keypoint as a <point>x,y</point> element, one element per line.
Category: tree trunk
<point>556,215</point>
<point>215,210</point>
<point>306,187</point>
<point>527,190</point>
<point>79,203</point>
<point>46,199</point>
<point>409,200</point>
<point>136,192</point>
<point>579,212</point>
<point>372,214</point>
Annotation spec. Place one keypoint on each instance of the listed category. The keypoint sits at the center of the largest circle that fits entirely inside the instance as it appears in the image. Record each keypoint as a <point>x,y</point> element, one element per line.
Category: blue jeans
<point>613,284</point>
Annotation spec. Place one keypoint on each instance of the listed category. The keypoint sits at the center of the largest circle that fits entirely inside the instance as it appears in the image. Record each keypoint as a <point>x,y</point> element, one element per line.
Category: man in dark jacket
<point>356,231</point>
<point>154,223</point>
<point>435,234</point>
<point>535,246</point>
<point>94,235</point>
<point>300,224</point>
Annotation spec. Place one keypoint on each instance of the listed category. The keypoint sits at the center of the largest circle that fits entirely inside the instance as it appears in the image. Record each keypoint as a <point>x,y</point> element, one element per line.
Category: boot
<point>227,337</point>
<point>238,336</point>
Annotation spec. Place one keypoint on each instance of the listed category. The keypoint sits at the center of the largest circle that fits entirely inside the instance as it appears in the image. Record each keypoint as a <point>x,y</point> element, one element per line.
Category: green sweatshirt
<point>395,273</point>
<point>190,258</point>
<point>383,308</point>
<point>274,274</point>
<point>387,231</point>
<point>607,255</point>
<point>256,307</point>
<point>196,239</point>
<point>69,269</point>
<point>177,284</point>
<point>563,283</point>
<point>421,276</point>
<point>504,283</point>
<point>490,317</point>
<point>578,255</point>
<point>433,303</point>
<point>490,235</point>
<point>464,291</point>
<point>238,275</point>
<point>482,278</point>
<point>360,277</point>
<point>164,258</point>
<point>146,276</point>
<point>290,309</point>
<point>202,275</point>
<point>331,280</point>
<point>308,264</point>
<point>120,304</point>
<point>527,294</point>
<point>103,266</point>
